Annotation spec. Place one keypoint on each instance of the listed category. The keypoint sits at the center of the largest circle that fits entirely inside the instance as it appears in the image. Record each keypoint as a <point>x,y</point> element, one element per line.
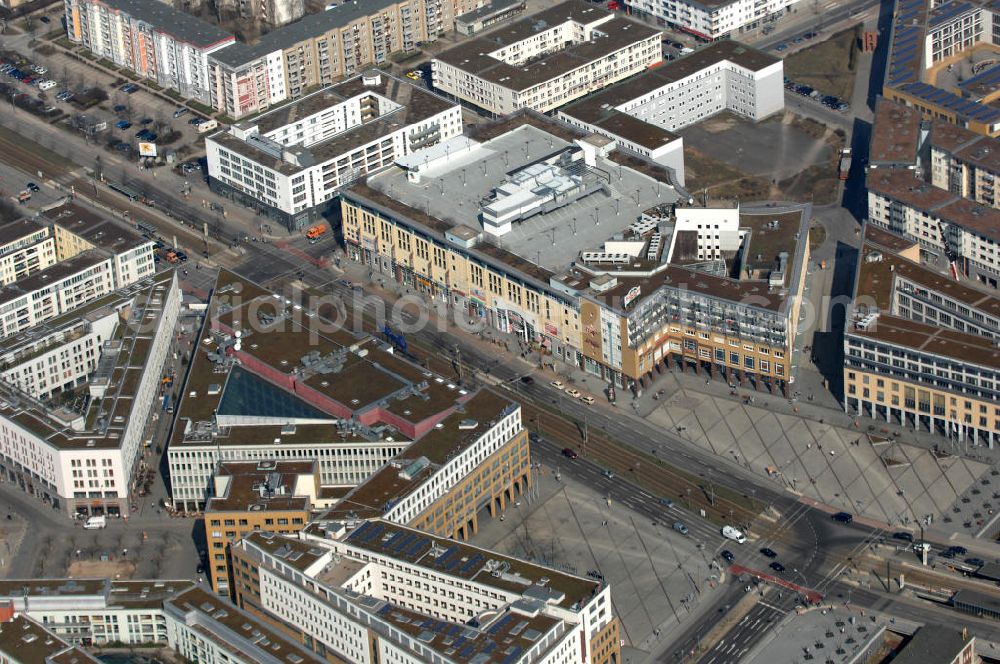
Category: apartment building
<point>898,138</point>
<point>353,594</point>
<point>317,50</point>
<point>642,112</point>
<point>713,19</point>
<point>77,229</point>
<point>290,162</point>
<point>25,248</point>
<point>920,348</point>
<point>547,59</point>
<point>205,628</point>
<point>24,641</point>
<point>926,34</point>
<point>61,353</point>
<point>273,496</point>
<point>93,256</point>
<point>959,230</point>
<point>83,458</point>
<point>272,13</point>
<point>723,298</point>
<point>165,45</point>
<point>95,612</point>
<point>965,163</point>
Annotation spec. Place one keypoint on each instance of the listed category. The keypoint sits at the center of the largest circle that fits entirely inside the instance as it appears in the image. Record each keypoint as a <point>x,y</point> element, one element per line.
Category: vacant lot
<point>828,66</point>
<point>784,157</point>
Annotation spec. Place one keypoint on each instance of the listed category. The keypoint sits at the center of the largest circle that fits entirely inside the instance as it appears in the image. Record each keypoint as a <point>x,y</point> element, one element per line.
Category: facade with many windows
<point>965,163</point>
<point>25,248</point>
<point>711,19</point>
<point>85,458</point>
<point>290,162</point>
<point>920,348</point>
<point>546,60</point>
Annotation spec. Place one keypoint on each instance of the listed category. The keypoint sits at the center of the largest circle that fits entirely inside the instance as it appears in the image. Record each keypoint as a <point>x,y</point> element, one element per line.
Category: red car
<point>569,453</point>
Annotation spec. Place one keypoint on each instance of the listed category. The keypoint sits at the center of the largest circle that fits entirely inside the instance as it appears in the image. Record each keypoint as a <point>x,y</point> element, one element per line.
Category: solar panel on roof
<point>403,541</point>
<point>452,564</point>
<point>412,551</point>
<point>500,624</point>
<point>373,532</point>
<point>385,609</point>
<point>513,656</point>
<point>457,643</point>
<point>360,529</point>
<point>490,647</point>
<point>446,554</point>
<point>467,651</point>
<point>395,537</point>
<point>473,561</point>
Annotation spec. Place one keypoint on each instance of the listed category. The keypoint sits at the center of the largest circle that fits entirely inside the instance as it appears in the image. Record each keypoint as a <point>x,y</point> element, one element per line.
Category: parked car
<point>843,106</point>
<point>146,121</point>
<point>811,35</point>
<point>844,517</point>
<point>557,384</point>
<point>777,567</point>
<point>179,112</point>
<point>129,88</point>
<point>587,399</point>
<point>768,553</point>
<point>666,502</point>
<point>118,108</point>
<point>902,535</point>
<point>609,474</point>
<point>414,75</point>
<point>44,19</point>
<point>123,124</point>
<point>33,188</point>
<point>958,550</point>
<point>781,47</point>
<point>47,84</point>
<point>573,392</point>
<point>727,555</point>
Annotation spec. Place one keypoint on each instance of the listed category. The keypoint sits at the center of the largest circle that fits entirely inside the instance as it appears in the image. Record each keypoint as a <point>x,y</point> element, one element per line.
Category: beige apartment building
<point>25,248</point>
<point>965,163</point>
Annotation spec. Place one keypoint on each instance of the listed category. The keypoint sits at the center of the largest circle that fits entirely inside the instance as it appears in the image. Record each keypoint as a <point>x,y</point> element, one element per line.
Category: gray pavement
<point>659,578</point>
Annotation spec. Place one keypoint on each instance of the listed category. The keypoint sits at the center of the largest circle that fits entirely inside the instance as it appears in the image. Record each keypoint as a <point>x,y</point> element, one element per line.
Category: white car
<point>587,399</point>
<point>38,69</point>
<point>732,533</point>
<point>575,393</point>
<point>557,384</point>
<point>47,84</point>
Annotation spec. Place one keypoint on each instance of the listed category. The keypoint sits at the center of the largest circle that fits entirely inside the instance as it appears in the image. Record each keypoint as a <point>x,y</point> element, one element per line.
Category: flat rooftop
<point>903,186</point>
<point>932,643</point>
<point>549,241</point>
<point>762,247</point>
<point>373,497</point>
<point>297,553</point>
<point>97,229</point>
<point>123,362</point>
<point>966,348</point>
<point>254,640</point>
<point>140,593</point>
<point>178,24</point>
<point>416,104</point>
<point>18,229</point>
<point>616,34</point>
<point>886,239</point>
<point>980,151</point>
<point>468,562</point>
<point>602,108</point>
<point>25,640</point>
<point>243,491</point>
<point>54,273</point>
<point>877,278</point>
<point>895,135</point>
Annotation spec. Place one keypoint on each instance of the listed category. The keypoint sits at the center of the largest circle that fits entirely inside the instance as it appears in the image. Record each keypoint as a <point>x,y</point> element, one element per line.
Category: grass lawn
<point>828,66</point>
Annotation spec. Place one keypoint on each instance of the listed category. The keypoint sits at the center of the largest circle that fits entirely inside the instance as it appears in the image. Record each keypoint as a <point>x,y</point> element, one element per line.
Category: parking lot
<point>124,110</point>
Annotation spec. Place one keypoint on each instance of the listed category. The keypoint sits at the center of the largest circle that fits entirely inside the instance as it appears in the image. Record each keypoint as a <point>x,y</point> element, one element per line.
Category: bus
<point>124,191</point>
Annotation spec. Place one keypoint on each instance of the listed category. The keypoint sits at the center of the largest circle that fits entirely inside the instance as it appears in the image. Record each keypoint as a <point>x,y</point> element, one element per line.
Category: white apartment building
<point>163,44</point>
<point>712,20</point>
<point>204,628</point>
<point>380,581</point>
<point>54,291</point>
<point>25,248</point>
<point>642,112</point>
<point>95,612</point>
<point>82,458</point>
<point>949,226</point>
<point>953,27</point>
<point>291,161</point>
<point>25,641</point>
<point>965,163</point>
<point>61,353</point>
<point>546,60</point>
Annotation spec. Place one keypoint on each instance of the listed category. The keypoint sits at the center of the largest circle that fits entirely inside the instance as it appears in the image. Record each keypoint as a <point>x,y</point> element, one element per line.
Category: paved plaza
<point>658,577</point>
<point>891,482</point>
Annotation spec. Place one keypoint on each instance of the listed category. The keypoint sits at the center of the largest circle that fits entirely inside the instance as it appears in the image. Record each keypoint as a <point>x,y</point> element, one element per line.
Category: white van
<point>732,533</point>
<point>96,523</point>
<point>47,84</point>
